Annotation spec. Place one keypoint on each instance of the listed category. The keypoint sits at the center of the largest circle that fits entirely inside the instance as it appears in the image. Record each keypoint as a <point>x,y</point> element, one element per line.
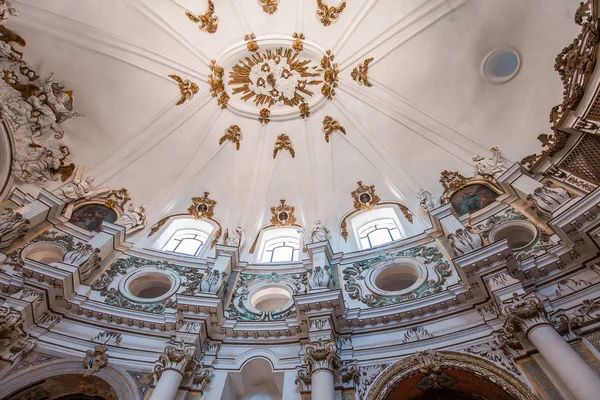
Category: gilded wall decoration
<point>240,308</point>
<point>330,75</point>
<point>304,110</point>
<point>187,88</point>
<point>274,77</point>
<point>34,108</point>
<point>264,116</point>
<point>429,255</point>
<point>284,143</point>
<point>202,207</point>
<point>232,134</point>
<point>111,295</point>
<point>208,21</point>
<point>269,6</point>
<point>281,215</point>
<point>331,125</point>
<point>252,46</point>
<point>365,199</point>
<point>117,199</point>
<point>360,73</point>
<point>217,87</point>
<point>328,14</point>
<point>298,38</point>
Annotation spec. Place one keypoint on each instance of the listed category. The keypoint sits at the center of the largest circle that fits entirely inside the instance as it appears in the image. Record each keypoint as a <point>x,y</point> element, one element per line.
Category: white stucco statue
<point>133,219</point>
<point>490,168</point>
<point>6,12</point>
<point>426,200</point>
<point>78,189</point>
<point>237,238</point>
<point>320,233</point>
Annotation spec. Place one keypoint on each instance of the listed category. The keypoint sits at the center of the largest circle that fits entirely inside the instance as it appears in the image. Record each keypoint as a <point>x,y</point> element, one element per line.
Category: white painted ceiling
<point>429,109</point>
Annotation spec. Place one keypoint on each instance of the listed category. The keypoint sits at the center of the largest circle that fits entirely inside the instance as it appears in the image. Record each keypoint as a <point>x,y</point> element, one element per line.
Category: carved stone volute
<point>523,313</point>
<point>178,356</point>
<point>322,355</point>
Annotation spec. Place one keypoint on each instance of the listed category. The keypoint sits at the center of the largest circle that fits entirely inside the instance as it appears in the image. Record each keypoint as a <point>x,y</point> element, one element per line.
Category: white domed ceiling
<point>417,105</point>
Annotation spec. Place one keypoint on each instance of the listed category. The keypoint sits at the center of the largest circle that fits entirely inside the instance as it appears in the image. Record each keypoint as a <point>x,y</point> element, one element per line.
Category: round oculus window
<point>44,252</point>
<point>270,299</point>
<point>520,234</point>
<point>149,285</point>
<point>399,276</point>
<point>501,65</point>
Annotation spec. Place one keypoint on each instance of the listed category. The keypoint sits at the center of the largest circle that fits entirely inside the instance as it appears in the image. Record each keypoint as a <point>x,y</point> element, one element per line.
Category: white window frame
<point>178,225</point>
<point>378,214</point>
<point>276,235</point>
<point>199,236</point>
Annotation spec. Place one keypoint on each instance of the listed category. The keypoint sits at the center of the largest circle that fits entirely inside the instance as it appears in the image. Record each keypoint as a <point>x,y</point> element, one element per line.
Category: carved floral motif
<point>328,14</point>
<point>284,143</point>
<point>187,88</point>
<point>208,21</point>
<point>360,73</point>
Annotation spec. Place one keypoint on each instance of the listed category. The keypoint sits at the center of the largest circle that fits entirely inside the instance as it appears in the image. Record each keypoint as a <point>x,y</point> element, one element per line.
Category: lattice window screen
<point>594,111</point>
<point>584,160</point>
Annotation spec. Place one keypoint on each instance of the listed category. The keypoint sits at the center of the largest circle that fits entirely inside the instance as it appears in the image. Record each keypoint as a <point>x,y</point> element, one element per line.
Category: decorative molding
<point>495,351</point>
<point>232,134</point>
<point>269,6</point>
<point>330,75</point>
<point>359,73</point>
<point>208,21</point>
<point>304,110</point>
<point>331,125</point>
<point>284,143</point>
<point>85,257</point>
<point>264,116</point>
<point>187,88</point>
<point>94,360</point>
<point>106,337</point>
<point>12,226</point>
<point>217,87</point>
<point>328,14</point>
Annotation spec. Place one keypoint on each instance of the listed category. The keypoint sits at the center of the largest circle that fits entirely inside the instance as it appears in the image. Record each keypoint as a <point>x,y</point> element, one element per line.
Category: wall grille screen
<point>584,160</point>
<point>594,111</point>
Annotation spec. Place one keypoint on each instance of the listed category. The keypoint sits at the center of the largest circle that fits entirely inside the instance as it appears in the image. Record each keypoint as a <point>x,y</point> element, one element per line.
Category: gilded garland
<point>274,77</point>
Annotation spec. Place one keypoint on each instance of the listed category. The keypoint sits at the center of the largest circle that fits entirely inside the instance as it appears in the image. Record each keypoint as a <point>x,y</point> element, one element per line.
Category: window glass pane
<point>380,236</point>
<point>395,234</point>
<point>171,245</point>
<point>281,254</point>
<point>188,246</point>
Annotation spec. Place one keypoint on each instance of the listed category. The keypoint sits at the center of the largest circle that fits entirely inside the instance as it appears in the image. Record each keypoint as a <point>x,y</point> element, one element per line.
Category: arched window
<point>378,232</point>
<point>281,249</point>
<point>186,241</point>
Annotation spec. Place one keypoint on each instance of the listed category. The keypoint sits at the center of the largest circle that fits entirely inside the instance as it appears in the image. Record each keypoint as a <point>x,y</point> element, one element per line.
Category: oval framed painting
<point>473,198</point>
<point>91,215</point>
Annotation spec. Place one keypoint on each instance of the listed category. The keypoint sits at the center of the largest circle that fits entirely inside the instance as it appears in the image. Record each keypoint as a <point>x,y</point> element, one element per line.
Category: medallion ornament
<point>284,143</point>
<point>269,6</point>
<point>328,14</point>
<point>251,45</point>
<point>208,21</point>
<point>274,77</point>
<point>232,134</point>
<point>283,215</point>
<point>202,207</point>
<point>94,360</point>
<point>187,88</point>
<point>330,75</point>
<point>217,87</point>
<point>298,45</point>
<point>331,125</point>
<point>359,73</point>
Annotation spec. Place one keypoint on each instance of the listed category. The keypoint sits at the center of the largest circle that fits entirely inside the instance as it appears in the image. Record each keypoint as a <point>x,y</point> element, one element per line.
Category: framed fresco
<point>90,216</point>
<point>472,198</point>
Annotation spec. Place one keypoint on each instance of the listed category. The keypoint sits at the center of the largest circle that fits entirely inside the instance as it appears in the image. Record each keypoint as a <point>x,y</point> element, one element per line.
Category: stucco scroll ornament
<point>284,143</point>
<point>208,21</point>
<point>547,198</point>
<point>12,226</point>
<point>201,379</point>
<point>94,360</point>
<point>426,200</point>
<point>133,219</point>
<point>499,350</point>
<point>320,233</point>
<point>322,355</point>
<point>237,238</point>
<point>465,240</point>
<point>269,6</point>
<point>328,14</point>
<point>489,168</point>
<point>523,313</point>
<point>187,88</point>
<point>84,256</point>
<point>360,73</point>
<point>331,125</point>
<point>11,325</point>
<point>234,135</point>
<point>179,356</point>
<point>212,282</point>
<point>320,278</point>
<point>6,12</point>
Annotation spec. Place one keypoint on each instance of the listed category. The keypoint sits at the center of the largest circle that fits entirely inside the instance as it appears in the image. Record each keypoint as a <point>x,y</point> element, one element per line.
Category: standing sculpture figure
<point>320,233</point>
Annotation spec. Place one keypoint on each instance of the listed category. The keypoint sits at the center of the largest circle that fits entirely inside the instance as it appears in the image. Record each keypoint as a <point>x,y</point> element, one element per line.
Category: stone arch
<point>429,361</point>
<point>122,384</point>
<point>6,159</point>
<point>266,354</point>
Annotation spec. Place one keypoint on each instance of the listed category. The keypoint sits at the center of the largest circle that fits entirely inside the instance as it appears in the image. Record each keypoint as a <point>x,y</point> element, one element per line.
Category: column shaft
<point>167,386</point>
<point>579,378</point>
<point>322,386</point>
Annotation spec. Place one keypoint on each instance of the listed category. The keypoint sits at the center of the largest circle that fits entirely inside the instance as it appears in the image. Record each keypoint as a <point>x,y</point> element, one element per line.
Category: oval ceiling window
<point>500,65</point>
<point>270,299</point>
<point>150,286</point>
<point>396,277</point>
<point>519,234</point>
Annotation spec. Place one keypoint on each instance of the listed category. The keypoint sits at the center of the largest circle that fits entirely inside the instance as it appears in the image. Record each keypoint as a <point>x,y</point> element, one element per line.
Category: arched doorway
<point>67,387</point>
<point>437,375</point>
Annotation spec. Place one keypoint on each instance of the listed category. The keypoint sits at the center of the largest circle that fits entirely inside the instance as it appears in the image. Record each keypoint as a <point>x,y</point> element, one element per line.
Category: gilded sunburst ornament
<point>283,215</point>
<point>274,77</point>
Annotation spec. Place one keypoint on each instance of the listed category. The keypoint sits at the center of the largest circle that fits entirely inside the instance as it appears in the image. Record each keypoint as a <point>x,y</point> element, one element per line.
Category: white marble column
<point>177,360</point>
<point>323,361</point>
<point>527,315</point>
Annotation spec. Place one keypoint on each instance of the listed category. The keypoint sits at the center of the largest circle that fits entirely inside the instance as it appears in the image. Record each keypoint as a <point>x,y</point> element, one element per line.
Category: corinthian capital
<point>178,356</point>
<point>523,313</point>
<point>322,355</point>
